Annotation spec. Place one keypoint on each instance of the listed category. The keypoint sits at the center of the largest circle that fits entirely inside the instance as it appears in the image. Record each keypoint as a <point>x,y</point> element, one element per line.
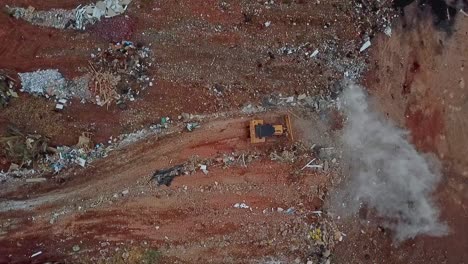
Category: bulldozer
<point>259,130</point>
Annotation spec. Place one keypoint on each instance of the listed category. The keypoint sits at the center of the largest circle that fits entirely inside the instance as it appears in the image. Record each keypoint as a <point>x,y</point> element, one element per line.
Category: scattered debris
<point>241,206</point>
<point>36,180</point>
<point>84,141</point>
<point>76,248</point>
<point>78,18</point>
<point>54,18</point>
<point>120,72</point>
<point>388,31</point>
<point>6,89</point>
<point>285,156</point>
<point>315,53</point>
<point>90,14</point>
<point>23,149</point>
<point>104,86</point>
<point>365,46</point>
<point>43,82</point>
<point>36,254</point>
<point>165,176</point>
<point>50,83</point>
<point>191,126</point>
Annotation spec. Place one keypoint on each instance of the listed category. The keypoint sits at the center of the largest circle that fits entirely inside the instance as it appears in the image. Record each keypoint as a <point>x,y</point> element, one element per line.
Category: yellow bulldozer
<point>259,130</point>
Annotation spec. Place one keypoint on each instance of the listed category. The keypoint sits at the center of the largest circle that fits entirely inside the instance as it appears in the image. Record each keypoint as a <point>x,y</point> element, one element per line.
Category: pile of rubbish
<point>90,14</point>
<point>51,83</point>
<point>78,18</point>
<point>23,150</point>
<point>66,156</point>
<point>6,90</point>
<point>324,236</point>
<point>120,72</point>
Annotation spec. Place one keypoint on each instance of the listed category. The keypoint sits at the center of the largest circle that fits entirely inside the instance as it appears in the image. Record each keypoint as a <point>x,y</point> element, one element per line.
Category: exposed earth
<point>221,61</point>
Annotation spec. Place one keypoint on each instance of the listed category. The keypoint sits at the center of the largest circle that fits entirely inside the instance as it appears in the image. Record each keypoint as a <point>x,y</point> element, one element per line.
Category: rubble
<point>78,18</point>
<point>54,18</point>
<point>51,83</point>
<point>6,89</point>
<point>90,14</point>
<point>120,72</point>
<point>24,149</point>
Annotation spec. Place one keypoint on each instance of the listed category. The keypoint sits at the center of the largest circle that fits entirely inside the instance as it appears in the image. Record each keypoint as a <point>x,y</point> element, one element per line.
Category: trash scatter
<point>192,126</point>
<point>53,18</point>
<point>324,236</point>
<point>120,72</point>
<point>365,46</point>
<point>7,91</point>
<point>23,149</point>
<point>165,176</point>
<point>241,206</point>
<point>78,18</point>
<point>90,14</point>
<point>51,83</point>
<point>36,254</point>
<point>42,82</point>
<point>204,169</point>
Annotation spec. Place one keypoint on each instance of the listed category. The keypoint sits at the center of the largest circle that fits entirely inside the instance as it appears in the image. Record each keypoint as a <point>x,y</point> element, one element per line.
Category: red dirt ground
<point>200,205</point>
<point>417,76</point>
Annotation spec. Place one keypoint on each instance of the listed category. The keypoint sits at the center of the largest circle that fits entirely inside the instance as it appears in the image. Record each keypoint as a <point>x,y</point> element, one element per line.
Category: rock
<point>125,192</point>
<point>298,260</point>
<point>280,209</point>
<point>310,262</point>
<point>76,248</point>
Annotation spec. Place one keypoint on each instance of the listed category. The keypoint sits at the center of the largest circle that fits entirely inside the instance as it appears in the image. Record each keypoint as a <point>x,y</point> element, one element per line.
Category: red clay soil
<point>418,82</point>
<point>192,221</point>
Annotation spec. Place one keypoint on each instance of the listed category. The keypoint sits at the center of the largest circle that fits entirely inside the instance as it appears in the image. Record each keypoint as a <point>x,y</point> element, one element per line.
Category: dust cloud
<point>386,173</point>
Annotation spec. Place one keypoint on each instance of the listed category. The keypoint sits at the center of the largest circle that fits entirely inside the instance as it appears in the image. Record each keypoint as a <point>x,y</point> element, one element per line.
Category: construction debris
<point>54,18</point>
<point>51,83</point>
<point>78,18</point>
<point>6,89</point>
<point>191,126</point>
<point>120,72</point>
<point>24,149</point>
<point>36,254</point>
<point>90,14</point>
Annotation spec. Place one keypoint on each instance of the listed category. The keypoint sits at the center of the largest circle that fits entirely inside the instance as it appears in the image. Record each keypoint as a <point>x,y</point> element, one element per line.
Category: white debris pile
<point>55,18</point>
<point>77,18</point>
<point>51,83</point>
<point>90,14</point>
<point>42,82</point>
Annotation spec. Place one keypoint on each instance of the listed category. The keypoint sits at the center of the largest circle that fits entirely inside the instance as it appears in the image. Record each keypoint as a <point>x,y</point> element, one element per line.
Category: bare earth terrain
<point>255,203</point>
